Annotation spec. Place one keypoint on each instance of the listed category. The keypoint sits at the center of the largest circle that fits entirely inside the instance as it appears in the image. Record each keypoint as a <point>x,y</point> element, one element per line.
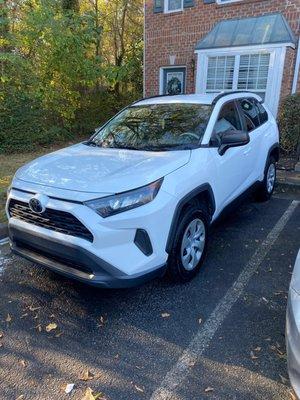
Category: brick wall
<point>177,33</point>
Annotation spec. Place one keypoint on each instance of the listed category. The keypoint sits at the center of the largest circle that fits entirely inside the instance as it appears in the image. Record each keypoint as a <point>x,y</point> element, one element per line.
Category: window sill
<point>237,3</point>
<point>172,12</point>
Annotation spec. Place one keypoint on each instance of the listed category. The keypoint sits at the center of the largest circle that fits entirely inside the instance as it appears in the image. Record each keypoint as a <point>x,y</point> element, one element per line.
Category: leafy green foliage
<point>61,74</point>
<point>289,124</point>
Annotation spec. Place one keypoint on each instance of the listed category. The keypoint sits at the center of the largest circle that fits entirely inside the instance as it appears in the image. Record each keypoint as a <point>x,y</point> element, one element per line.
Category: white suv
<point>137,199</point>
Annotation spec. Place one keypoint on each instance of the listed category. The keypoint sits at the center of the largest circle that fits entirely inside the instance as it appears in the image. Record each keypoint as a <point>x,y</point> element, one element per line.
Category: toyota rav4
<point>137,199</point>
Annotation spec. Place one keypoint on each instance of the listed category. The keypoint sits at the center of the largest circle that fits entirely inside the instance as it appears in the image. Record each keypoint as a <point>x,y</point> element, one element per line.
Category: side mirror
<point>232,138</point>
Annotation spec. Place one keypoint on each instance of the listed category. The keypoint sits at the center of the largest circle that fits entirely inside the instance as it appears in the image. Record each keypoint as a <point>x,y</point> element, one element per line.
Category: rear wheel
<point>266,188</point>
<point>190,243</point>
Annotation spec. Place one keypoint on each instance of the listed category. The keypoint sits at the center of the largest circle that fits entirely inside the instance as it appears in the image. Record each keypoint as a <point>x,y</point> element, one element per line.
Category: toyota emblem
<point>36,206</point>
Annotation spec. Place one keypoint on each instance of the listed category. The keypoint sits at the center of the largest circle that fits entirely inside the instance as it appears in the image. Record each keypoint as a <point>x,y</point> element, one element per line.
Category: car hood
<point>100,170</point>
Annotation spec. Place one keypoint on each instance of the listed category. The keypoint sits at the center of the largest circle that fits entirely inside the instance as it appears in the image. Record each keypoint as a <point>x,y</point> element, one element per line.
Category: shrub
<point>289,124</point>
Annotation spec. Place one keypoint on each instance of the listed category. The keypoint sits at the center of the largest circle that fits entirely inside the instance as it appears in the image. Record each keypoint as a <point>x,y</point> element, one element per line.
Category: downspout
<point>296,73</point>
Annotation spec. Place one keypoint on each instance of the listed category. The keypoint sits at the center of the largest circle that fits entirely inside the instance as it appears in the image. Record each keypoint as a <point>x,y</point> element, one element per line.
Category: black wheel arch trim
<point>276,147</point>
<point>179,207</point>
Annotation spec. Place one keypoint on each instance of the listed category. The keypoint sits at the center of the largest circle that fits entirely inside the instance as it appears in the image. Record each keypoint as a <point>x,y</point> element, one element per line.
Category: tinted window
<point>228,119</point>
<point>155,127</point>
<point>250,112</point>
<point>263,115</point>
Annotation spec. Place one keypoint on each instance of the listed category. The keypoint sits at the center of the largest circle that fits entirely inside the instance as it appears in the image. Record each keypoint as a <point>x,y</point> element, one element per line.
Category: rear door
<point>255,120</point>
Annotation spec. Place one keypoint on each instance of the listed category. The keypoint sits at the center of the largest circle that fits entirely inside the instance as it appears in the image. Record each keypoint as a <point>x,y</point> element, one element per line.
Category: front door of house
<point>173,80</point>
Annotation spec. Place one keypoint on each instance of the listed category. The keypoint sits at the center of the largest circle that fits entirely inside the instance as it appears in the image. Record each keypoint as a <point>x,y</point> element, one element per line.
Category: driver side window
<point>228,119</point>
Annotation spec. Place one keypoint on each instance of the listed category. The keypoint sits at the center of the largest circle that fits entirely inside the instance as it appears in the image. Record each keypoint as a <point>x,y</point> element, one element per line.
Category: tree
<point>66,65</point>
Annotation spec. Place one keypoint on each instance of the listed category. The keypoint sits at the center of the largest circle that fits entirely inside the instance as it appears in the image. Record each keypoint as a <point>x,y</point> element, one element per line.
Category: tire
<point>194,218</point>
<point>267,186</point>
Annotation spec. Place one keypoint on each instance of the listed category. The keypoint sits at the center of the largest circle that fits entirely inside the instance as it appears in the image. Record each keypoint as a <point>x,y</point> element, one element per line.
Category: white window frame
<point>166,7</point>
<point>161,76</point>
<point>276,66</point>
<point>220,2</point>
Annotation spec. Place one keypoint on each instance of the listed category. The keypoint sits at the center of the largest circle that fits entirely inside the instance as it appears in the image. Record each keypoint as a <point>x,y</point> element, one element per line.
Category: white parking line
<point>201,340</point>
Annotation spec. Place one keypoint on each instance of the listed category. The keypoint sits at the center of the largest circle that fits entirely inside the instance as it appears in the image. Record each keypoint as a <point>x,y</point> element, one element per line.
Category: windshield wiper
<point>91,143</point>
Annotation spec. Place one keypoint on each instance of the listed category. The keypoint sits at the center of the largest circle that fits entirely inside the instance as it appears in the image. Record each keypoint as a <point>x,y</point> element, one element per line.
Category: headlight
<point>111,205</point>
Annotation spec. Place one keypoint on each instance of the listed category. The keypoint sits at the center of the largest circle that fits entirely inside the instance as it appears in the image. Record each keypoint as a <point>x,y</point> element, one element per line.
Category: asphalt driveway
<point>220,336</point>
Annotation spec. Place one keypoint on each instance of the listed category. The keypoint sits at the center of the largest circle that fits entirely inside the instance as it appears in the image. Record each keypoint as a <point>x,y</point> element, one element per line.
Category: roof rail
<point>222,94</point>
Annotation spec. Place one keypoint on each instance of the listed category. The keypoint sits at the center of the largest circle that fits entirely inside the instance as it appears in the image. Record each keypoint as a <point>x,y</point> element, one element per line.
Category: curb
<point>287,187</point>
<point>3,231</point>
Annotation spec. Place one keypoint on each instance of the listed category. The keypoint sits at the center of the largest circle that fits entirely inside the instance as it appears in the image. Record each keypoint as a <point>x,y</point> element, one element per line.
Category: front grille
<point>58,221</point>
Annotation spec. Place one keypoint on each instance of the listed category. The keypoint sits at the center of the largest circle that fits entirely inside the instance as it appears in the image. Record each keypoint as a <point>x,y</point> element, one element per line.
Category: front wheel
<point>266,188</point>
<point>190,243</point>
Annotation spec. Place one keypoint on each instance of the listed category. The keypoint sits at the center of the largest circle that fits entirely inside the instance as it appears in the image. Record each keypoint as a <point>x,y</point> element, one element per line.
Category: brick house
<point>214,45</point>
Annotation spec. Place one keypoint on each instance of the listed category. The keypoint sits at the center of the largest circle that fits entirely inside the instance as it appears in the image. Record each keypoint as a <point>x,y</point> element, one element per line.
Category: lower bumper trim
<point>74,262</point>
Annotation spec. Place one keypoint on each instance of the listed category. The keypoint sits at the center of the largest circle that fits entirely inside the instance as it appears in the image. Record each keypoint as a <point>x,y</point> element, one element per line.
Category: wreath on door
<point>174,86</point>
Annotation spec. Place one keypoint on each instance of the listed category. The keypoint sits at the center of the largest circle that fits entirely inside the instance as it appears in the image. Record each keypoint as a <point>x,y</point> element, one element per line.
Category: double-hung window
<point>173,5</point>
<point>238,72</point>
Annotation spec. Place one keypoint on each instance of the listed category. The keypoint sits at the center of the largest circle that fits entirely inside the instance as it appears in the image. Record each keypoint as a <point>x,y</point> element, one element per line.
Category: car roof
<point>209,98</point>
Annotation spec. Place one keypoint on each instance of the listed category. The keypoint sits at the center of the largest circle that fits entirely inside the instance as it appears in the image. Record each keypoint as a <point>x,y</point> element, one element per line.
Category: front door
<point>234,166</point>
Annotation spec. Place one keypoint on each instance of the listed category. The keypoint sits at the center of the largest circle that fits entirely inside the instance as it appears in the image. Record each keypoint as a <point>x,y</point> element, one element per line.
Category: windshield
<point>155,127</point>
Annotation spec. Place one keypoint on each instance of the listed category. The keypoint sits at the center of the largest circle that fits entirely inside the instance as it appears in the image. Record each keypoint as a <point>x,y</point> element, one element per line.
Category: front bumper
<point>114,257</point>
<point>293,339</point>
<point>73,261</point>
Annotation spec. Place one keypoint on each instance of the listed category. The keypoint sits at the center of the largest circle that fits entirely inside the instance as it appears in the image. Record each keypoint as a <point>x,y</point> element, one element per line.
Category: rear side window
<point>228,119</point>
<point>251,114</point>
<point>263,115</point>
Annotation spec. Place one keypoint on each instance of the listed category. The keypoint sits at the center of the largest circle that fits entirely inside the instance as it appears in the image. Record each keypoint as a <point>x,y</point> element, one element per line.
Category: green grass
<point>9,164</point>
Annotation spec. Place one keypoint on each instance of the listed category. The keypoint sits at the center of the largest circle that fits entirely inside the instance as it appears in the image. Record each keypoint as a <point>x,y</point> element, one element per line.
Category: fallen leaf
<point>24,315</point>
<point>23,363</point>
<point>191,363</point>
<point>103,321</point>
<point>283,379</point>
<point>89,395</point>
<point>69,388</point>
<point>253,356</point>
<point>59,334</point>
<point>265,300</point>
<point>138,389</point>
<point>257,348</point>
<point>51,327</point>
<point>8,318</point>
<point>293,396</point>
<point>20,397</point>
<point>31,308</point>
<point>208,389</point>
<point>165,315</point>
<point>86,376</point>
<point>39,328</point>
